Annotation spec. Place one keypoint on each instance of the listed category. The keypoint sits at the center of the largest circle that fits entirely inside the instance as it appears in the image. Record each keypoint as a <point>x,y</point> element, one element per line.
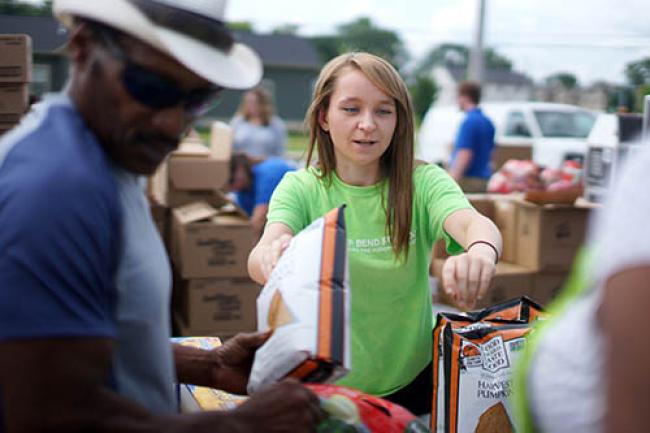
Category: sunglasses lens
<point>201,101</point>
<point>149,88</point>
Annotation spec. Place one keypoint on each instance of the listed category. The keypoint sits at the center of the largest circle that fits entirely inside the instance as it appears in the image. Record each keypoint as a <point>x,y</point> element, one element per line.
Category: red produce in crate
<point>351,411</point>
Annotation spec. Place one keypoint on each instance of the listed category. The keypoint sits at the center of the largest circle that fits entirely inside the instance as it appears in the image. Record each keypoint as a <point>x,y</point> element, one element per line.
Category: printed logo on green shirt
<point>375,245</point>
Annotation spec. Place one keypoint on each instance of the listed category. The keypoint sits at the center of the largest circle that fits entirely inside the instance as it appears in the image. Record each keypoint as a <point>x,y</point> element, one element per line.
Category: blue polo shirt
<point>266,176</point>
<point>476,133</point>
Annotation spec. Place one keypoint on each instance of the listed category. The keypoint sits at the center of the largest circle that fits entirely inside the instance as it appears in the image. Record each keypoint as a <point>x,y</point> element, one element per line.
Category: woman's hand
<point>466,277</point>
<point>267,252</point>
<point>272,252</point>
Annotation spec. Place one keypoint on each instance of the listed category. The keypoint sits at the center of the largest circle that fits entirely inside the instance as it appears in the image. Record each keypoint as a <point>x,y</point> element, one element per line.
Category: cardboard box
<point>14,98</point>
<point>503,153</point>
<point>547,285</point>
<point>221,138</point>
<point>217,305</point>
<point>15,58</point>
<point>548,236</point>
<point>192,173</point>
<point>207,242</point>
<point>483,203</point>
<point>505,218</point>
<point>9,120</point>
<point>510,281</point>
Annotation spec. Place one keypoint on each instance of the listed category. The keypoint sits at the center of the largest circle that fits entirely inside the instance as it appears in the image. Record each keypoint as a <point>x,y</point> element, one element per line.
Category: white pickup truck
<point>554,131</point>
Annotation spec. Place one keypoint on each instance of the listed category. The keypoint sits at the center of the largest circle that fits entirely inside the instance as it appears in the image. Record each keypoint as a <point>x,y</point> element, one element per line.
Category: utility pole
<point>475,72</point>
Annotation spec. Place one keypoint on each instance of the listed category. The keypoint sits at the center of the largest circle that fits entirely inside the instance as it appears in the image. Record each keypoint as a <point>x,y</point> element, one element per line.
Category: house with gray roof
<point>498,85</point>
<point>291,65</point>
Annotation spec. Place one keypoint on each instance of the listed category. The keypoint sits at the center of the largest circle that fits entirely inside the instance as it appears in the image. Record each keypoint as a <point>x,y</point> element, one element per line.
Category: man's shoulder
<point>52,153</point>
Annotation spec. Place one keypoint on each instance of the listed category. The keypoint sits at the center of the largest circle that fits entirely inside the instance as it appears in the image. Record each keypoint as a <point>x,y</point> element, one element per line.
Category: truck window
<point>516,125</point>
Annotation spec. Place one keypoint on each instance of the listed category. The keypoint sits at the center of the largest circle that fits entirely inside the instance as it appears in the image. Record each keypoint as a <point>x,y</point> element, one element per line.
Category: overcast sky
<point>591,38</point>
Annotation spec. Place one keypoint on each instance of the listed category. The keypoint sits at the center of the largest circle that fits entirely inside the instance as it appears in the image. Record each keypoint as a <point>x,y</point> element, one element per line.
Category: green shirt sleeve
<point>440,196</point>
<point>288,202</point>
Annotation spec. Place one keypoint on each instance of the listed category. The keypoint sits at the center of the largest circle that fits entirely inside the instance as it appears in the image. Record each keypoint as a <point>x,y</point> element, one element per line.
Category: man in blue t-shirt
<point>470,162</point>
<point>254,180</point>
<point>84,279</point>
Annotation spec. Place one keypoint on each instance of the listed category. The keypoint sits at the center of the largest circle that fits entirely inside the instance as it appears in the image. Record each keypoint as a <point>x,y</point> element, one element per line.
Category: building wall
<point>508,92</point>
<point>291,90</point>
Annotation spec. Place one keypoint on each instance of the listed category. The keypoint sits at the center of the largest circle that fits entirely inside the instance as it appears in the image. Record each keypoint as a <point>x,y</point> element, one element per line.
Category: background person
<point>84,278</point>
<point>470,163</point>
<point>253,180</point>
<point>257,130</point>
<point>361,126</point>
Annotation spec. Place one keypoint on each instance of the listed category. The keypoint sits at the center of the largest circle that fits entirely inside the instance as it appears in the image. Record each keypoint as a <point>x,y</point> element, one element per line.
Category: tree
<point>286,29</point>
<point>457,55</point>
<point>362,35</point>
<point>638,72</point>
<point>563,79</point>
<point>13,7</point>
<point>241,26</point>
<point>424,91</point>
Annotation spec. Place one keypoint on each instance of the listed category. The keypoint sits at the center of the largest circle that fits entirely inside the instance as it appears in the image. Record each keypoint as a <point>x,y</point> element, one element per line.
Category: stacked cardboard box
<point>540,243</point>
<point>208,239</point>
<point>15,76</point>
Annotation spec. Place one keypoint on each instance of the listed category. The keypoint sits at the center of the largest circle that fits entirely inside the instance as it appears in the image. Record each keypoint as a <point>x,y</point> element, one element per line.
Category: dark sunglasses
<point>154,90</point>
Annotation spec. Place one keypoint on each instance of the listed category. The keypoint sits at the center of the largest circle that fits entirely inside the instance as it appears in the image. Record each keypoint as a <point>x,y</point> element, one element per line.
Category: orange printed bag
<point>473,358</point>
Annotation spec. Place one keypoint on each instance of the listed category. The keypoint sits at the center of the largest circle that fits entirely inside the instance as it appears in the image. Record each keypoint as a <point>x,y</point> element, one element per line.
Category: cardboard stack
<point>15,76</point>
<point>208,239</point>
<point>540,243</point>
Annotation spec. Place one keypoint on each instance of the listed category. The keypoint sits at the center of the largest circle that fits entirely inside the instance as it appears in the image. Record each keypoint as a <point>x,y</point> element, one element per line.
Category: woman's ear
<point>322,120</point>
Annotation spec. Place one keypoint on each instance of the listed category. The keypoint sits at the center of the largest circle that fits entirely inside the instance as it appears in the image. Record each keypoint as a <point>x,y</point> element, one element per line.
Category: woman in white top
<point>588,372</point>
<point>257,130</point>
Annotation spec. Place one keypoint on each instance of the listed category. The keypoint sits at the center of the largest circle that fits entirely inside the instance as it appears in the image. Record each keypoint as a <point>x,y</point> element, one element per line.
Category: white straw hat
<point>191,31</point>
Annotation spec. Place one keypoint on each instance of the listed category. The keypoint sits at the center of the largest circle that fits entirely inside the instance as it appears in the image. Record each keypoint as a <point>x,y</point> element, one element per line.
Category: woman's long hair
<point>396,163</point>
<point>264,99</point>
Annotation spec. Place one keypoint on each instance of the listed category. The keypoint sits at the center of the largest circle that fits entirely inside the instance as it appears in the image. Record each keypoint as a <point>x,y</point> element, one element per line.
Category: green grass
<point>297,144</point>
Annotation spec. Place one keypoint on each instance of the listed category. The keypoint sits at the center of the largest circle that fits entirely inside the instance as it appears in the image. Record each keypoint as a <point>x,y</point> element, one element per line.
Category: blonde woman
<point>361,125</point>
<point>258,132</point>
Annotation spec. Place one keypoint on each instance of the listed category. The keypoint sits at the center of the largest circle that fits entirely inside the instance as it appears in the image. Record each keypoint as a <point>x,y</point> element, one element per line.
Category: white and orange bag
<point>473,357</point>
<point>306,302</point>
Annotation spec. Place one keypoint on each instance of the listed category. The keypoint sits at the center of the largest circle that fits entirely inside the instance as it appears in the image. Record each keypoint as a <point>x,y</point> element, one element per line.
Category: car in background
<point>555,132</point>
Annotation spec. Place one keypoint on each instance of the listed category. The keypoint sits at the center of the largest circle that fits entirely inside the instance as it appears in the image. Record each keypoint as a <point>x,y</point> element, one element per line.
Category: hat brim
<point>240,68</point>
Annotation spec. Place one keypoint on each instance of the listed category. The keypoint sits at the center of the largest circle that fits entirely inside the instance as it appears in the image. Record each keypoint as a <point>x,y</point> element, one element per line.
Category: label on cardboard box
<point>15,58</point>
<point>14,98</point>
<point>218,305</point>
<point>205,244</point>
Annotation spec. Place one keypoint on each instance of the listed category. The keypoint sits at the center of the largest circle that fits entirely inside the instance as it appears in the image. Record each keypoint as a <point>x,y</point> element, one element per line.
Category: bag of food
<point>194,398</point>
<point>473,358</point>
<point>306,303</point>
<point>351,411</point>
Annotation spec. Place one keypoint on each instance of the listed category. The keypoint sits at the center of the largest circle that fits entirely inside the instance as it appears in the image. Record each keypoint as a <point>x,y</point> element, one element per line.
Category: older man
<point>84,280</point>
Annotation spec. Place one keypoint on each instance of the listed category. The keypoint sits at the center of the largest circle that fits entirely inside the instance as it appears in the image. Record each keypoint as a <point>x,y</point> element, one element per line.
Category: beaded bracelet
<point>496,252</point>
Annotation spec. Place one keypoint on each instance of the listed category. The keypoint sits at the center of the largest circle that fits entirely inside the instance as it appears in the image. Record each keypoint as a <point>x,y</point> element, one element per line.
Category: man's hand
<point>232,362</point>
<point>285,407</point>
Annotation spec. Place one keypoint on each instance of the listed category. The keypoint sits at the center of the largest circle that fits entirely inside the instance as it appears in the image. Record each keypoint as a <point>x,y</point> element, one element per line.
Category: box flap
<point>191,148</point>
<point>221,138</point>
<point>198,173</point>
<point>194,212</point>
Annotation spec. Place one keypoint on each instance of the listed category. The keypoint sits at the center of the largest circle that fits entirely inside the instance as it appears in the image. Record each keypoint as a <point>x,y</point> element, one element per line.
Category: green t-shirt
<point>390,299</point>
